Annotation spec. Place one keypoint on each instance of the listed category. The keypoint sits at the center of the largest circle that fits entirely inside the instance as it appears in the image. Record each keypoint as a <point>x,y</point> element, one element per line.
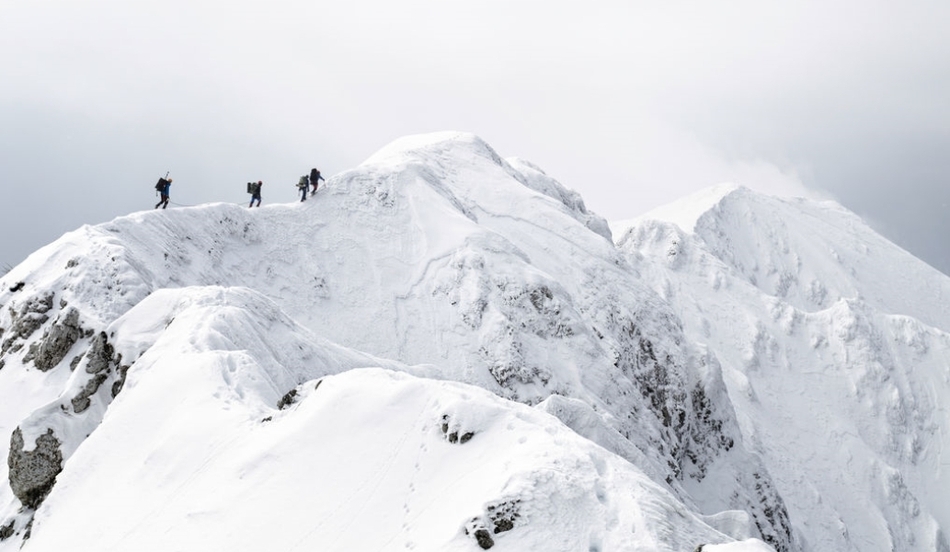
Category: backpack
<point>160,186</point>
<point>304,181</point>
<point>250,187</point>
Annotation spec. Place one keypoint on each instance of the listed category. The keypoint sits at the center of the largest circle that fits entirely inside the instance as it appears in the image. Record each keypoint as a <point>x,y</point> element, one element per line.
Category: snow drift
<point>444,350</point>
<point>837,352</point>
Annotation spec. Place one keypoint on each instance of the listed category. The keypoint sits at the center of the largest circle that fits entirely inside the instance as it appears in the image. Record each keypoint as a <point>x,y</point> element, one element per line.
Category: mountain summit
<point>445,350</point>
<point>836,355</point>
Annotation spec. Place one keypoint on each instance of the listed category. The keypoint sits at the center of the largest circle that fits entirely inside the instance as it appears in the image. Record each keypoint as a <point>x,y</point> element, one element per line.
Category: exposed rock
<point>27,320</point>
<point>99,360</point>
<point>507,363</point>
<point>6,531</point>
<point>57,341</point>
<point>455,436</point>
<point>500,517</point>
<point>100,354</point>
<point>484,539</point>
<point>772,520</point>
<point>33,473</point>
<point>288,399</point>
<point>476,529</point>
<point>707,438</point>
<point>122,371</point>
<point>503,515</point>
<point>544,317</point>
<point>17,287</point>
<point>81,401</point>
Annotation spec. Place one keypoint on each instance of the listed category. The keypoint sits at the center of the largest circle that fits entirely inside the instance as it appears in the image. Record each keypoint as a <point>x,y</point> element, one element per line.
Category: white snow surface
<point>443,346</point>
<point>683,212</point>
<point>836,353</point>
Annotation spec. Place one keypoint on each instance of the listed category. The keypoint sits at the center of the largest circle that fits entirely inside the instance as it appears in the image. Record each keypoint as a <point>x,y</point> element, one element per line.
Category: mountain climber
<point>315,179</point>
<point>303,186</point>
<point>254,188</point>
<point>164,186</point>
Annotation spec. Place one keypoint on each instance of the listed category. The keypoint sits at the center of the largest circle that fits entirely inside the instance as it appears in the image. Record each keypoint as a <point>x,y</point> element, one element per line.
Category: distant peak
<point>686,211</point>
<point>401,148</point>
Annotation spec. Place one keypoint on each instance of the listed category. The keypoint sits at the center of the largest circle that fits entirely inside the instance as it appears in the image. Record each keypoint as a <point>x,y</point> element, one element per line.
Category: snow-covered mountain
<point>445,350</point>
<point>836,356</point>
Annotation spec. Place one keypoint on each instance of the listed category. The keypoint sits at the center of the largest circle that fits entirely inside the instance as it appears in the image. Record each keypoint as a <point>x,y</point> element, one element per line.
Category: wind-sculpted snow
<point>811,254</point>
<point>554,309</point>
<point>840,375</point>
<point>435,253</point>
<point>359,462</point>
<point>169,326</point>
<point>199,450</point>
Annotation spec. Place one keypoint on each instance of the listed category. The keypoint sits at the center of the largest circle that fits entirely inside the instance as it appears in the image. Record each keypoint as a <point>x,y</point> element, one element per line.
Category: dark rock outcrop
<point>483,538</point>
<point>499,518</point>
<point>476,529</point>
<point>288,399</point>
<point>772,518</point>
<point>33,472</point>
<point>100,354</point>
<point>455,435</point>
<point>59,338</point>
<point>6,531</point>
<point>503,515</point>
<point>99,360</point>
<point>122,370</point>
<point>26,320</point>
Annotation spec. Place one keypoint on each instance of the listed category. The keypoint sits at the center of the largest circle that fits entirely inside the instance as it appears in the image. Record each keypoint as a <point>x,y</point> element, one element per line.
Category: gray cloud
<point>633,105</point>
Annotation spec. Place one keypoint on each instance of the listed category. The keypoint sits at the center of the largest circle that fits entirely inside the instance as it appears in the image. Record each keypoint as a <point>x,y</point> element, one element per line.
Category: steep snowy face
<point>435,252</point>
<point>528,301</point>
<point>367,460</point>
<point>835,349</point>
<point>226,433</point>
<point>259,349</point>
<point>811,254</point>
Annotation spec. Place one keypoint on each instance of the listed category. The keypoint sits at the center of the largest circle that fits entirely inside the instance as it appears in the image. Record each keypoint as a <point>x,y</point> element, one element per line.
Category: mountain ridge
<point>862,354</point>
<point>436,258</point>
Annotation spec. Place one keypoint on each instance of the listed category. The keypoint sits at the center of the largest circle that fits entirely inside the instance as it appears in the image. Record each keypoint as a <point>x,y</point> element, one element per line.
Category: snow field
<point>359,462</point>
<point>769,368</point>
<point>837,379</point>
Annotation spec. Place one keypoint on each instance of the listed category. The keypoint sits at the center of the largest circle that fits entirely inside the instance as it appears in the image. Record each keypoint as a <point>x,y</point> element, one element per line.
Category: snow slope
<point>364,460</point>
<point>159,375</point>
<point>435,253</point>
<point>836,353</point>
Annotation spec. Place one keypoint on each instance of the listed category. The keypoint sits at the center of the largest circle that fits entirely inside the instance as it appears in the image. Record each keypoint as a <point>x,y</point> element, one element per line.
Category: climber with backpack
<point>163,187</point>
<point>254,188</point>
<point>314,179</point>
<point>303,185</point>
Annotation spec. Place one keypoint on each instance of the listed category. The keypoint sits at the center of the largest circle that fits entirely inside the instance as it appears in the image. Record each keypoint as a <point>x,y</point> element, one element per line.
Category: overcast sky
<point>631,103</point>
